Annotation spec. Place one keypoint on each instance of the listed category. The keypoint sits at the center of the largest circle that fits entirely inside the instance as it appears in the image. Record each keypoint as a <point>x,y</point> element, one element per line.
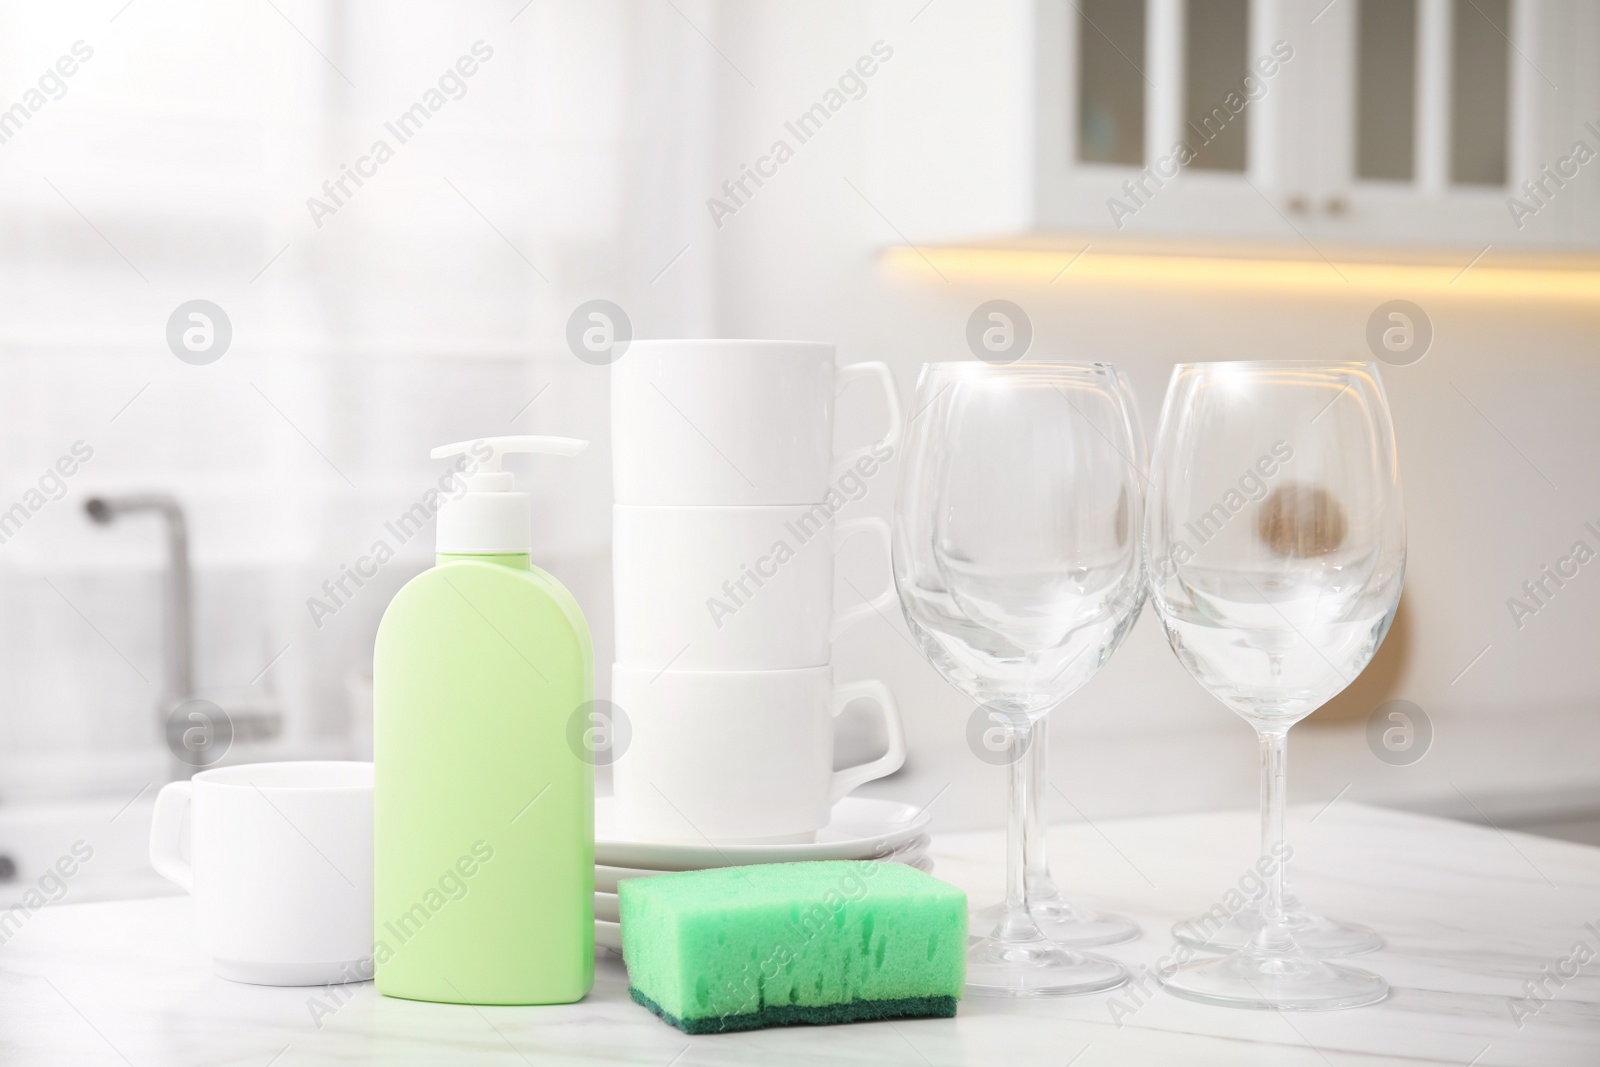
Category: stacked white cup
<point>724,541</point>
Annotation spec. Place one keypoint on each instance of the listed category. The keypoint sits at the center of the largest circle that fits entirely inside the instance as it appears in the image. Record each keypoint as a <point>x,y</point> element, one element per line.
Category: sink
<point>111,860</point>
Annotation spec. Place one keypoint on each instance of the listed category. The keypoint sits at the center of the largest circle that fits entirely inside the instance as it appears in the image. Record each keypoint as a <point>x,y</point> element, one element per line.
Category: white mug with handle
<point>279,865</point>
<point>739,755</point>
<point>734,588</point>
<point>706,422</point>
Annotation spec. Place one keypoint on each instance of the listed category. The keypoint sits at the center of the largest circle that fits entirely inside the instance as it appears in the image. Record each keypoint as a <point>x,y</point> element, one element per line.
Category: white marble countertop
<point>1471,915</point>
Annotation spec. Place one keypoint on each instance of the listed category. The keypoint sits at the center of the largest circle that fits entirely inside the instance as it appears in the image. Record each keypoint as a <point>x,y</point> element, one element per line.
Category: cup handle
<point>842,532</point>
<point>166,823</point>
<point>891,397</point>
<point>845,781</point>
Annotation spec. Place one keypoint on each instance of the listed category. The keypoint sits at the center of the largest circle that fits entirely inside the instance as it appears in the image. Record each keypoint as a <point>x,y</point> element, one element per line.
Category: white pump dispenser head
<point>491,517</point>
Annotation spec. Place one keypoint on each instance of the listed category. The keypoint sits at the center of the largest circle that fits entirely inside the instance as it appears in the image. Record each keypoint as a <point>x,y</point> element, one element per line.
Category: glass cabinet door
<point>1384,137</point>
<point>1170,108</point>
<point>1215,97</point>
<point>1111,82</point>
<point>1431,115</point>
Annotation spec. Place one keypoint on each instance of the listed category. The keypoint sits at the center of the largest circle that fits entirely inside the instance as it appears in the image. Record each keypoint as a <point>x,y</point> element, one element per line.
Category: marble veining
<point>1472,916</point>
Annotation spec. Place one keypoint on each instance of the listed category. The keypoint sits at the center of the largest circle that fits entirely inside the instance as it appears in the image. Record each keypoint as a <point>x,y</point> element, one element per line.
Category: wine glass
<point>1017,562</point>
<point>1275,537</point>
<point>1059,919</point>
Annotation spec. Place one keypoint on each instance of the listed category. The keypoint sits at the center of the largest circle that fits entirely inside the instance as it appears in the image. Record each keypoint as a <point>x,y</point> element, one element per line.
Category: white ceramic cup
<point>738,755</point>
<point>733,422</point>
<point>734,588</point>
<point>280,868</point>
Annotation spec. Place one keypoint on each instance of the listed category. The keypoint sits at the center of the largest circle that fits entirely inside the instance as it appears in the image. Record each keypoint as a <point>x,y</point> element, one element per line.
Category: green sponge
<point>738,948</point>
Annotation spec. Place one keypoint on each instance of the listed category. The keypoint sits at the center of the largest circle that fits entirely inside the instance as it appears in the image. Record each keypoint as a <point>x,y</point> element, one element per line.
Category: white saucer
<point>606,877</point>
<point>861,828</point>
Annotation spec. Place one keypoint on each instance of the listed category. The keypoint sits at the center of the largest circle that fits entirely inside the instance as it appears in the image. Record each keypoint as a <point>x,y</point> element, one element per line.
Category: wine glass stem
<point>1038,861</point>
<point>1021,774</point>
<point>1274,760</point>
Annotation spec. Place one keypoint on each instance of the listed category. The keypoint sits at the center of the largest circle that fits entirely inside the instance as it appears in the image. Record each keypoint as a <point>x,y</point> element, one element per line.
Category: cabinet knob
<point>1298,205</point>
<point>1336,205</point>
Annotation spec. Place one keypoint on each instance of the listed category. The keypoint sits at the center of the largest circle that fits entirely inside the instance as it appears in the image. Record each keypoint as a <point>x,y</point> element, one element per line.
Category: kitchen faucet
<point>177,617</point>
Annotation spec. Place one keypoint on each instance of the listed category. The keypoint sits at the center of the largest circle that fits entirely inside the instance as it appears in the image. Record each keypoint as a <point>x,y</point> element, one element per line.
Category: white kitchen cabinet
<point>1420,121</point>
<point>1370,123</point>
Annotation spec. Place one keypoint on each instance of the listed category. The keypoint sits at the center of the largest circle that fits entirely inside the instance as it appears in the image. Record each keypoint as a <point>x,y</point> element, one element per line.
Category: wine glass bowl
<point>1277,568</point>
<point>1016,546</point>
<point>1276,538</point>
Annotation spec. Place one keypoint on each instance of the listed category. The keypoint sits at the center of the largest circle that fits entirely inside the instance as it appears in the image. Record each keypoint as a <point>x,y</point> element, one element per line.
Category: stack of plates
<point>860,829</point>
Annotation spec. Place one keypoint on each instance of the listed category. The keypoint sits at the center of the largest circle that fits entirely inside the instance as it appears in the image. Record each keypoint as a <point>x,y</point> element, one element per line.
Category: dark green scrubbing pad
<point>739,948</point>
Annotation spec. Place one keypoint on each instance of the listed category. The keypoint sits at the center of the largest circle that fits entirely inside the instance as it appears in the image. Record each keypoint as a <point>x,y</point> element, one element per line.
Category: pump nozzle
<point>489,478</point>
<point>490,518</point>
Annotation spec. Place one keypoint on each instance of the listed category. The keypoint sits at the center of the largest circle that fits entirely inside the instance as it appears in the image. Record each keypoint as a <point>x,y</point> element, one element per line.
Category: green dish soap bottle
<point>483,812</point>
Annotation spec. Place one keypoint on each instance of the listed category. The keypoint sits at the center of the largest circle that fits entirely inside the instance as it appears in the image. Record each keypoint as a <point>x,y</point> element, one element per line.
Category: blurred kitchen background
<point>1336,155</point>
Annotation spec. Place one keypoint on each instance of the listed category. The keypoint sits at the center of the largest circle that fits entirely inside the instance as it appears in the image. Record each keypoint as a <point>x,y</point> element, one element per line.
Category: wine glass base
<point>1066,924</point>
<point>1037,968</point>
<point>1292,982</point>
<point>1321,937</point>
